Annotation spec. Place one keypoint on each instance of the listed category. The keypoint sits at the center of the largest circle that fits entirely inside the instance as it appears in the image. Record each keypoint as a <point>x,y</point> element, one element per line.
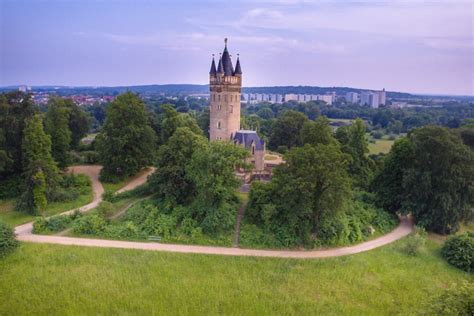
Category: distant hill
<point>186,89</point>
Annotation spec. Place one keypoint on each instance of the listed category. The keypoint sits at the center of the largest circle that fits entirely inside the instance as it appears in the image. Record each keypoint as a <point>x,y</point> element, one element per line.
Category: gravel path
<point>24,233</point>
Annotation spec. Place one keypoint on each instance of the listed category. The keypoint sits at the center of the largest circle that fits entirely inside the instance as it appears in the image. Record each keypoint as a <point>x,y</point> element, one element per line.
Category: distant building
<point>291,97</point>
<point>352,97</point>
<point>373,98</point>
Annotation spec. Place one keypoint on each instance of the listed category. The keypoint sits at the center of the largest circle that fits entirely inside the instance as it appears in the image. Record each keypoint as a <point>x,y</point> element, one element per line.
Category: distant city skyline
<point>411,46</point>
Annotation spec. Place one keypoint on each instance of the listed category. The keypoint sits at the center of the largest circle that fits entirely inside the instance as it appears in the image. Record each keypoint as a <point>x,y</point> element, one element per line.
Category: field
<point>380,146</point>
<point>53,280</point>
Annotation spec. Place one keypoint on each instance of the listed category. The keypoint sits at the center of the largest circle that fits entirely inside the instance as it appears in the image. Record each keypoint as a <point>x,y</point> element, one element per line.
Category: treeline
<point>34,147</point>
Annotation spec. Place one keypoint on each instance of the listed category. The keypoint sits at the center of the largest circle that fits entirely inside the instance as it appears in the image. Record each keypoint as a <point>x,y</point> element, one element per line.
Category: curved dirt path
<point>24,233</point>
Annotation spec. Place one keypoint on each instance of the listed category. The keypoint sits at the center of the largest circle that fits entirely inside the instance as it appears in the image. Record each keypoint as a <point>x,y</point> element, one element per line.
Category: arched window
<point>219,125</point>
<point>219,106</point>
<point>218,97</point>
<point>214,97</point>
<point>231,109</point>
<point>231,98</point>
<point>225,97</point>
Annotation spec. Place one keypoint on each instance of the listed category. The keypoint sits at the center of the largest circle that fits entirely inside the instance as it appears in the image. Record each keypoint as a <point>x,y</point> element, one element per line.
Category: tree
<point>57,126</point>
<point>287,130</point>
<point>431,175</point>
<point>317,132</point>
<point>15,109</point>
<point>79,122</point>
<point>170,179</point>
<point>211,169</point>
<point>355,144</point>
<point>265,113</point>
<point>126,143</point>
<point>41,173</point>
<point>310,188</point>
<point>170,120</point>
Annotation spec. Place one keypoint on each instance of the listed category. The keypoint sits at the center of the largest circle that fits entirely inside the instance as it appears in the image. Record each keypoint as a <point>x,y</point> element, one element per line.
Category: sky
<point>411,46</point>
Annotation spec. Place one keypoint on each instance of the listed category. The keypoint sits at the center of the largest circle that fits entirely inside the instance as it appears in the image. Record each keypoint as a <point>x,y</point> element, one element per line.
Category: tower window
<point>231,98</point>
<point>225,97</point>
<point>213,97</point>
<point>219,125</point>
<point>219,106</point>
<point>231,109</point>
<point>218,97</point>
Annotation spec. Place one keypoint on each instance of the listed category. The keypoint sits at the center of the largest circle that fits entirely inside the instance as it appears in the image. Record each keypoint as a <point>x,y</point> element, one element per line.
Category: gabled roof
<point>247,138</point>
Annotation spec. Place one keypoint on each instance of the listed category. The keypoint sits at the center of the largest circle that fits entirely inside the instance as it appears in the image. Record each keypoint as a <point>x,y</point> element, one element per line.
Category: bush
<point>109,196</point>
<point>334,231</point>
<point>123,231</point>
<point>7,239</point>
<point>90,225</point>
<point>415,242</point>
<point>459,251</point>
<point>54,224</point>
<point>90,157</point>
<point>458,300</point>
<point>377,134</point>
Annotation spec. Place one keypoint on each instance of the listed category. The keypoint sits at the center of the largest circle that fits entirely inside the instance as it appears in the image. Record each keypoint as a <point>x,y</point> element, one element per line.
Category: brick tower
<point>225,85</point>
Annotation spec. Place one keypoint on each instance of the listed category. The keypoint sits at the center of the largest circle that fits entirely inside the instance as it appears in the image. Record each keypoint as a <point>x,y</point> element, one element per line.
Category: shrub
<point>458,300</point>
<point>109,196</point>
<point>7,239</point>
<point>122,231</point>
<point>90,225</point>
<point>377,134</point>
<point>54,224</point>
<point>90,157</point>
<point>415,242</point>
<point>334,231</point>
<point>459,251</point>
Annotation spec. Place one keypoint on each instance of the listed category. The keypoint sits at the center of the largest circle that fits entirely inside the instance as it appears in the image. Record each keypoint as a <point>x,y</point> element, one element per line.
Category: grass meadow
<point>68,280</point>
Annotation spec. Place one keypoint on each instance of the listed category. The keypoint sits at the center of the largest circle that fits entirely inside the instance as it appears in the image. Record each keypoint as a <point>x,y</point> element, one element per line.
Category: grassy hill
<point>53,279</point>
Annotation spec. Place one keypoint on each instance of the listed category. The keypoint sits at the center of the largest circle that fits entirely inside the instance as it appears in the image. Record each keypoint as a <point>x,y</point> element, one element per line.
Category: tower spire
<point>213,71</point>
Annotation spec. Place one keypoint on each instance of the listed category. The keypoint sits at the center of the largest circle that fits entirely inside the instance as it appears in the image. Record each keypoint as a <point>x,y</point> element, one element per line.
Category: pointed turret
<point>238,70</point>
<point>213,71</point>
<point>220,70</point>
<point>226,62</point>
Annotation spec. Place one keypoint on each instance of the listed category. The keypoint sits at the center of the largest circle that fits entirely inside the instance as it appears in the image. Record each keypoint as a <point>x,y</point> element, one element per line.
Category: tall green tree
<point>170,180</point>
<point>430,174</point>
<point>126,143</point>
<point>79,122</point>
<point>41,173</point>
<point>15,109</point>
<point>312,186</point>
<point>57,126</point>
<point>170,120</point>
<point>211,169</point>
<point>287,130</point>
<point>354,143</point>
<point>317,132</point>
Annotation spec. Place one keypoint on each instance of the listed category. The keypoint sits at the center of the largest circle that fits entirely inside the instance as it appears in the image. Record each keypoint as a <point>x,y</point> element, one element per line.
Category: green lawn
<point>13,218</point>
<point>41,279</point>
<point>380,146</point>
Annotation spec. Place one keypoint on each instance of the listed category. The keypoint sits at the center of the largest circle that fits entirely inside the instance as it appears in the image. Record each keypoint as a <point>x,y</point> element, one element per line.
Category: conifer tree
<point>41,173</point>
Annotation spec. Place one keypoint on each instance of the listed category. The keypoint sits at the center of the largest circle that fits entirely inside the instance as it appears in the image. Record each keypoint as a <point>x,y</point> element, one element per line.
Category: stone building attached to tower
<point>225,84</point>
